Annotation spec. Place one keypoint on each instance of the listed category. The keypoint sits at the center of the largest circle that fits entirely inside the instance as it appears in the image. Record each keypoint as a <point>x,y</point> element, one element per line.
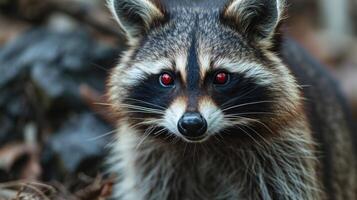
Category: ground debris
<point>98,189</point>
<point>42,73</point>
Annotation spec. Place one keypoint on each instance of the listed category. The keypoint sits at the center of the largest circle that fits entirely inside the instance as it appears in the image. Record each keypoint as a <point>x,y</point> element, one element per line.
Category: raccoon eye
<point>166,80</point>
<point>221,78</point>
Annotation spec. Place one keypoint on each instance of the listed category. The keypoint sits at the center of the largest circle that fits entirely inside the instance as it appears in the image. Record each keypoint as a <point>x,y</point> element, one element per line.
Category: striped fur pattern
<point>258,143</point>
<point>281,168</point>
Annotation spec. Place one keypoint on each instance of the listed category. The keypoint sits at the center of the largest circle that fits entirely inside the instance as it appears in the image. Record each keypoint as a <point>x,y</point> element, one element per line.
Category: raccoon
<point>213,103</point>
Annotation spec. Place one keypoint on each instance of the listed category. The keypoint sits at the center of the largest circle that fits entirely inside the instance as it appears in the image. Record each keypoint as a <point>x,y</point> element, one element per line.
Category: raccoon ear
<point>257,19</point>
<point>136,16</point>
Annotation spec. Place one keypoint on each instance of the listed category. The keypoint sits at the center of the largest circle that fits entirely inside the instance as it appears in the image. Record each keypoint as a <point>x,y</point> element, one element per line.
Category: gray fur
<point>282,169</point>
<point>280,165</point>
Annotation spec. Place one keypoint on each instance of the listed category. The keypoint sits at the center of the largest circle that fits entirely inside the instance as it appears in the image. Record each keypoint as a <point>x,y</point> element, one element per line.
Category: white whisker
<point>102,136</point>
<point>247,104</point>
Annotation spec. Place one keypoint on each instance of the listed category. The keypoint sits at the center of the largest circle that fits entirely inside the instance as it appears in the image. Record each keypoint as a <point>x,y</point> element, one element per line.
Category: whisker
<point>146,119</point>
<point>235,106</point>
<point>145,102</point>
<point>100,67</point>
<point>136,110</point>
<point>103,104</point>
<point>249,127</point>
<point>239,117</point>
<point>305,86</point>
<point>265,126</point>
<point>241,96</point>
<point>256,132</point>
<point>175,140</point>
<point>141,111</point>
<point>146,135</point>
<point>102,136</point>
<point>146,122</point>
<point>259,122</point>
<point>251,137</point>
<point>131,99</point>
<point>247,104</point>
<point>136,106</point>
<point>250,113</point>
<point>184,150</point>
<point>157,133</point>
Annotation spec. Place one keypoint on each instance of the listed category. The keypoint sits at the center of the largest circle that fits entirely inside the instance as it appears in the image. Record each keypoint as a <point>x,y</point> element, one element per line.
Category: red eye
<point>166,79</point>
<point>221,78</point>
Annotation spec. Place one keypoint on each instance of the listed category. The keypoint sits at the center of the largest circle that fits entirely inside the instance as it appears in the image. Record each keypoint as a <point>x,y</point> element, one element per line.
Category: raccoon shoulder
<point>329,119</point>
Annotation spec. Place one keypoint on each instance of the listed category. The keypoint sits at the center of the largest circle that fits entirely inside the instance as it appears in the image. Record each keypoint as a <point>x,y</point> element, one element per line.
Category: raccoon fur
<point>213,105</point>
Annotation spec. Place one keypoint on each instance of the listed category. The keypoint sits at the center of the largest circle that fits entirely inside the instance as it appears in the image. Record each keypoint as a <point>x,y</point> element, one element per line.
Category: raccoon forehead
<point>132,72</point>
<point>207,62</point>
<point>217,47</point>
<point>249,69</point>
<point>140,70</point>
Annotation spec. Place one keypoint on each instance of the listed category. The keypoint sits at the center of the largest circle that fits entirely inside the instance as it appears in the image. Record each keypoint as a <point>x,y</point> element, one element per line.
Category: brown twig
<point>38,189</point>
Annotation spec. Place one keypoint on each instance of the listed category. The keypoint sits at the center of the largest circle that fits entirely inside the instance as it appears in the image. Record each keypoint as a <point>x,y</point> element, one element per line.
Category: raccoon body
<point>209,107</point>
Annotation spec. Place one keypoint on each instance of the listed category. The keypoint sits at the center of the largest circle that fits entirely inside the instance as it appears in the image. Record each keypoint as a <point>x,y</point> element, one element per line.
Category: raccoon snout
<point>192,125</point>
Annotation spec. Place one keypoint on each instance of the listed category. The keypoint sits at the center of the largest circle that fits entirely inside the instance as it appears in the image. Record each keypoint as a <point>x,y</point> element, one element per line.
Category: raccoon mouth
<point>195,139</point>
<point>166,133</point>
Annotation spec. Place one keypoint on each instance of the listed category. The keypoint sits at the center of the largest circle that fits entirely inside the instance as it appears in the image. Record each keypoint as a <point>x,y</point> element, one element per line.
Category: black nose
<point>192,125</point>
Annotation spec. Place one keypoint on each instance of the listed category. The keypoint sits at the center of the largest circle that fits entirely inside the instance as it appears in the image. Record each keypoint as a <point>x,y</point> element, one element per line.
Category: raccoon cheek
<point>173,114</point>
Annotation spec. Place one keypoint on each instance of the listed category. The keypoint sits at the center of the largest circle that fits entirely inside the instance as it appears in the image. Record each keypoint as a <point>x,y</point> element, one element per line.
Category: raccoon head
<point>199,72</point>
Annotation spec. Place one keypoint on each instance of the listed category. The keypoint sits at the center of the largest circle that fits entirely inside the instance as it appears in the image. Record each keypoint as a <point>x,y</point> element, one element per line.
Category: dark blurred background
<point>55,56</point>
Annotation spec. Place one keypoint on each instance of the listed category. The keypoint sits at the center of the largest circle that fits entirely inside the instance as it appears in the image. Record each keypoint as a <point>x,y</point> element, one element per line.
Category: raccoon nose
<point>192,125</point>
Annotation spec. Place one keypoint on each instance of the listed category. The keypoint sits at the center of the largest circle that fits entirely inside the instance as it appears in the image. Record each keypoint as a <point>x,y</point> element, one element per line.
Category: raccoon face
<point>197,72</point>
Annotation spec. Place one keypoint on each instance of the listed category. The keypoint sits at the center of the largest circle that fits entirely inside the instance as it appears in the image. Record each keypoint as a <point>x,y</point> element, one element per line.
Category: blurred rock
<point>41,72</point>
<point>40,77</point>
<point>16,110</point>
<point>11,62</point>
<point>72,52</point>
<point>79,139</point>
<point>6,126</point>
<point>34,11</point>
<point>53,83</point>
